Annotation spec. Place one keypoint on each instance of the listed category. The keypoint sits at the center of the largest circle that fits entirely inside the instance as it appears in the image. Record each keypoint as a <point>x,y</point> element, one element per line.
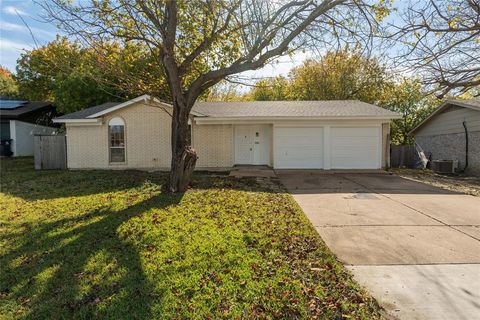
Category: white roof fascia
<point>57,120</point>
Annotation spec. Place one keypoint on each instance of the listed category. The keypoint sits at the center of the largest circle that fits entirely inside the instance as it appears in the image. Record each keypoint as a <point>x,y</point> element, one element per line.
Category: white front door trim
<point>243,145</point>
<point>252,144</point>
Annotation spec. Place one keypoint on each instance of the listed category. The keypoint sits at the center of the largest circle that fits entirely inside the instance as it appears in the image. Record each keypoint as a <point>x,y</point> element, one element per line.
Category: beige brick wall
<point>147,133</point>
<point>87,147</point>
<point>214,145</point>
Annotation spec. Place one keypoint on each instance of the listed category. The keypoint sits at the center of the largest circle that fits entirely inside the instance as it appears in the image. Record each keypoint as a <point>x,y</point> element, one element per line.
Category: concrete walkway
<point>414,247</point>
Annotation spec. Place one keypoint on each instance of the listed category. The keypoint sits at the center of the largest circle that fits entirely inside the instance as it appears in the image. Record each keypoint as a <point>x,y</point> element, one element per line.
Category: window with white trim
<point>116,136</point>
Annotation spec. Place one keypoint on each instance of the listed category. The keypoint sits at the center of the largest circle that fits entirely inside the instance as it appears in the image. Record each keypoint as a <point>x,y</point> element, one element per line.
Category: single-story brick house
<point>281,134</point>
<point>443,134</point>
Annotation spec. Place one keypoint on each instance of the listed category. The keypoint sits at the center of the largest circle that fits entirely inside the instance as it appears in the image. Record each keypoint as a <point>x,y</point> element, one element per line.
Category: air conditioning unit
<point>444,166</point>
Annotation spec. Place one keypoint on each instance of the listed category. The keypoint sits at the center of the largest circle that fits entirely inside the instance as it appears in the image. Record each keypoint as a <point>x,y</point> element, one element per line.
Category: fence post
<point>37,152</point>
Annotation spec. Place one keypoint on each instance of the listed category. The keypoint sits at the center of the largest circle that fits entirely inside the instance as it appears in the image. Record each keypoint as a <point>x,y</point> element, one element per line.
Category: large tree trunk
<point>184,157</point>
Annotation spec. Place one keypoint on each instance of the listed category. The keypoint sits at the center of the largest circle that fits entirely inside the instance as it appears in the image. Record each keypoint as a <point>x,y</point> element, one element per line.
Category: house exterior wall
<point>452,147</point>
<point>147,136</point>
<point>147,140</point>
<point>451,121</point>
<point>87,147</point>
<point>444,137</point>
<point>214,145</point>
<point>22,134</point>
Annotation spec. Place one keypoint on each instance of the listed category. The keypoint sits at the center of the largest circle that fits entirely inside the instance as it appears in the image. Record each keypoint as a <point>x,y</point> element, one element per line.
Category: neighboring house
<point>280,134</point>
<point>444,133</point>
<point>20,121</point>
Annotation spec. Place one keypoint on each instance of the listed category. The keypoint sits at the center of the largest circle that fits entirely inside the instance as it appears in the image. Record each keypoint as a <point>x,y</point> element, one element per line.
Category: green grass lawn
<point>99,244</point>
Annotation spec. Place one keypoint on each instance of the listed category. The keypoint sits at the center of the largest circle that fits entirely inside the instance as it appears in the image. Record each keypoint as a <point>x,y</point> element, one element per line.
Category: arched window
<point>116,134</point>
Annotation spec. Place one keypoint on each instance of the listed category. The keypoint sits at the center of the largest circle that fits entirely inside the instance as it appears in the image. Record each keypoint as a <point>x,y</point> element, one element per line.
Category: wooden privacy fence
<point>50,152</point>
<point>402,156</point>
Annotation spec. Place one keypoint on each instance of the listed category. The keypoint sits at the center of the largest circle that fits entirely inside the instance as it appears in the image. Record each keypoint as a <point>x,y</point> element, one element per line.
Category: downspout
<point>466,145</point>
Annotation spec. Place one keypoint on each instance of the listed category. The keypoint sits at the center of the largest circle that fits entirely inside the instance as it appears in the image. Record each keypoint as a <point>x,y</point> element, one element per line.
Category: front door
<point>250,145</point>
<point>256,145</point>
<point>243,145</point>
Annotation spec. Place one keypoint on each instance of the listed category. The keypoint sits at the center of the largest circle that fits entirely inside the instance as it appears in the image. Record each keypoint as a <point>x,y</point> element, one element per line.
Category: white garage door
<point>298,148</point>
<point>355,148</point>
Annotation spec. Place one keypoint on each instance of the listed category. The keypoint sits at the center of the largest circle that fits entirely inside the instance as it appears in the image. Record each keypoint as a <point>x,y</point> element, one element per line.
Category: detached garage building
<point>281,134</point>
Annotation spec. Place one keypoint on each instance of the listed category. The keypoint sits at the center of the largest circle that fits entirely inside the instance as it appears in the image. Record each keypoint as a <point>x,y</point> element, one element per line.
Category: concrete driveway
<point>416,248</point>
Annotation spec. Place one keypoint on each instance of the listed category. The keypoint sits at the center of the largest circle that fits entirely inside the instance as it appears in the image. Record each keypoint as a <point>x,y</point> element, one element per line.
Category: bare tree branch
<point>441,41</point>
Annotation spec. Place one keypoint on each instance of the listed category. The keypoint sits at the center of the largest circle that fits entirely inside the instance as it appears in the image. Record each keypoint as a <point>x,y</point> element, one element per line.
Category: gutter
<point>464,123</point>
<point>89,121</point>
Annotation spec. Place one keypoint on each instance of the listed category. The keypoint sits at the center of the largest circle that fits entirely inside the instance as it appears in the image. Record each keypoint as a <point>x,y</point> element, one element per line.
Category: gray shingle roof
<point>332,108</point>
<point>82,114</point>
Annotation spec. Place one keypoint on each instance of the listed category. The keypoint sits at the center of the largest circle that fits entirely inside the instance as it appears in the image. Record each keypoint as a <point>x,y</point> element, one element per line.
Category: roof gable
<point>473,104</point>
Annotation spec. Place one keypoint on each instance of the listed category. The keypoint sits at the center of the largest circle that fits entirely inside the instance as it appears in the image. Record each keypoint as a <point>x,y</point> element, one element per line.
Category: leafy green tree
<point>38,69</point>
<point>338,75</point>
<point>76,77</point>
<point>407,98</point>
<point>225,91</point>
<point>271,89</point>
<point>8,85</point>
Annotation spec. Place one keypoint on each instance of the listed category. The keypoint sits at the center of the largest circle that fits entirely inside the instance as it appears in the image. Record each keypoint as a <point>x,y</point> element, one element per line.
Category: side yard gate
<point>50,152</point>
<point>402,156</point>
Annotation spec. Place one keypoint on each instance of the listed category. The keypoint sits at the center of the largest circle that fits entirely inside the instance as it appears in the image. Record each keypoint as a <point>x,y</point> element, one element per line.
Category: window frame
<point>109,140</point>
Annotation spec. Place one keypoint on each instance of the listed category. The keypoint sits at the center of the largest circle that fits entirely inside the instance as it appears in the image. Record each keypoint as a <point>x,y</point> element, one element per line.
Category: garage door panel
<point>354,150</point>
<point>298,148</point>
<point>301,141</point>
<point>354,147</point>
<point>363,141</point>
<point>358,131</point>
